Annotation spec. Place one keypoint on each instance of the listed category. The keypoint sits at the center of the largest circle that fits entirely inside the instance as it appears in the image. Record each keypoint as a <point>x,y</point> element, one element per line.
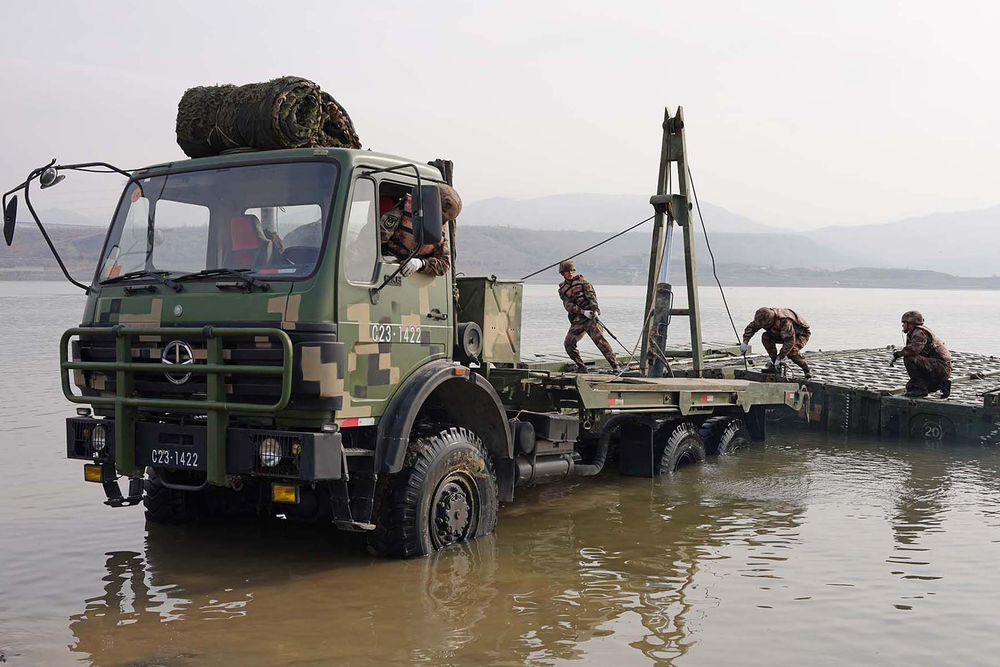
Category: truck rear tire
<point>446,493</point>
<point>165,505</point>
<point>724,435</point>
<point>684,447</point>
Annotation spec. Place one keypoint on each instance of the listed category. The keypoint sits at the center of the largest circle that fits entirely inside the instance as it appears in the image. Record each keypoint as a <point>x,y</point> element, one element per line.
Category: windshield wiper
<point>135,275</point>
<point>245,282</point>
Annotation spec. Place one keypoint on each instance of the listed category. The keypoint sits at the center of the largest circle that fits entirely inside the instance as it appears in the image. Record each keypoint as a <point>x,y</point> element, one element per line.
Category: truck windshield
<point>264,219</point>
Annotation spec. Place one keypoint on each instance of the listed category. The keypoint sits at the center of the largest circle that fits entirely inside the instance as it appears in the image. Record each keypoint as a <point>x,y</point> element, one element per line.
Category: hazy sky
<point>799,114</point>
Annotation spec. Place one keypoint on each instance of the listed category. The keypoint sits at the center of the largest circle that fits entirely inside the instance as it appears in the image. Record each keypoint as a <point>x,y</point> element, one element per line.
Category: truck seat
<point>245,242</point>
<point>385,205</point>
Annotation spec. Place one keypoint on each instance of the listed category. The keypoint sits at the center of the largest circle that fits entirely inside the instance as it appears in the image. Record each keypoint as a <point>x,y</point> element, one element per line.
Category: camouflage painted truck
<point>226,373</point>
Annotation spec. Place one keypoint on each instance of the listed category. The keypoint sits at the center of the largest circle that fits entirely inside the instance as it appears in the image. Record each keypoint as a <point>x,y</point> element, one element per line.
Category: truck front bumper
<point>306,456</point>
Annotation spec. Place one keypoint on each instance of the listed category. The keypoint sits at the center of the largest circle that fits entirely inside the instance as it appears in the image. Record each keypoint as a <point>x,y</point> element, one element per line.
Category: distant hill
<point>962,242</point>
<point>957,243</point>
<point>592,213</point>
<point>29,257</point>
<point>511,252</point>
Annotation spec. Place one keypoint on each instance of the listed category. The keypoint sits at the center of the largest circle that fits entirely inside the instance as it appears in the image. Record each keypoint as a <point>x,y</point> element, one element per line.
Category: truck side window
<point>361,237</point>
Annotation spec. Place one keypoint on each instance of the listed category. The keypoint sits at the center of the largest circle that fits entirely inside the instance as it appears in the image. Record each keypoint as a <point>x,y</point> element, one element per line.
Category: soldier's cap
<point>566,266</point>
<point>912,316</point>
<point>764,316</point>
<point>451,203</point>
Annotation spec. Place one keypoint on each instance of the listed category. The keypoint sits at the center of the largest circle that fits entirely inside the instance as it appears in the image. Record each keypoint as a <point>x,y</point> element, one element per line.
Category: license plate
<point>176,458</point>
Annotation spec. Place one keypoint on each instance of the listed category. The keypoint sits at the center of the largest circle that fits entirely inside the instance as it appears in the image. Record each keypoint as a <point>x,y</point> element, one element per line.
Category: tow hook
<point>114,493</point>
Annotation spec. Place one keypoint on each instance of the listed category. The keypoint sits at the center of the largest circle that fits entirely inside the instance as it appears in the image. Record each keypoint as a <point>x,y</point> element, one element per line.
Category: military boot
<point>805,372</point>
<point>915,393</point>
<point>946,389</point>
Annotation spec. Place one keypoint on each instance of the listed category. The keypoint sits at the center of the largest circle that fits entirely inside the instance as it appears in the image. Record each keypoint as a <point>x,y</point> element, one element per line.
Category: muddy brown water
<point>810,549</point>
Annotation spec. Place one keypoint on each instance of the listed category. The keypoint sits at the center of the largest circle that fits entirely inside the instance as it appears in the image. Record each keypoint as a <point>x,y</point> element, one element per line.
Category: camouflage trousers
<point>596,333</point>
<point>794,355</point>
<point>926,373</point>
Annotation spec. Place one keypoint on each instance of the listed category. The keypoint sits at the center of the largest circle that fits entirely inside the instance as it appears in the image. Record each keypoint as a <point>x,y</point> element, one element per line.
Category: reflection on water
<point>573,566</point>
<point>809,550</point>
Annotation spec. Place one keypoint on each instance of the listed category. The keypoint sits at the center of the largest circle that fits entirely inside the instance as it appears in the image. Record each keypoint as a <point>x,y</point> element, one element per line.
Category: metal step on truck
<point>223,373</point>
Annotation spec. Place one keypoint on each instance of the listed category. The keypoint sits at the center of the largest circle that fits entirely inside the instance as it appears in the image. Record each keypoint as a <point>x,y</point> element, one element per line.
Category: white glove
<point>744,347</point>
<point>779,364</point>
<point>589,314</point>
<point>413,265</point>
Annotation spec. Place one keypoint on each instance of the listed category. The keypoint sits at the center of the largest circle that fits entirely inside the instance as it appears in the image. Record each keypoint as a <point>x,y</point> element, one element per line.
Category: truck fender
<point>470,400</point>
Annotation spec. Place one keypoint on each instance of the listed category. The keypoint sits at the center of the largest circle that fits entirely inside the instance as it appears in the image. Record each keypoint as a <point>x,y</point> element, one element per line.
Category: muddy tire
<point>165,505</point>
<point>446,493</point>
<point>683,447</point>
<point>724,435</point>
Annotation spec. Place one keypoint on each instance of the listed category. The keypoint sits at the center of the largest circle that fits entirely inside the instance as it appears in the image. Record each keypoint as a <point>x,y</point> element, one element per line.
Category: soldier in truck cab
<point>396,233</point>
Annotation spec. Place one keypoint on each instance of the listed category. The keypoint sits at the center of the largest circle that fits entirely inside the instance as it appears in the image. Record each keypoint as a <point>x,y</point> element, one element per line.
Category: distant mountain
<point>55,216</point>
<point>591,213</point>
<point>510,252</point>
<point>962,242</point>
<point>822,258</point>
<point>29,258</point>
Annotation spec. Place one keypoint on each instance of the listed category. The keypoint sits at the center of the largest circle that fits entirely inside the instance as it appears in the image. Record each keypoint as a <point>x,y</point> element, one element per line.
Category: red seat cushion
<point>243,233</point>
<point>385,205</point>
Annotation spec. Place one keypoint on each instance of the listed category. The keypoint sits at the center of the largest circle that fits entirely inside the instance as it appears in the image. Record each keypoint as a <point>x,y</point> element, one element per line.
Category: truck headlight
<point>269,451</point>
<point>98,438</point>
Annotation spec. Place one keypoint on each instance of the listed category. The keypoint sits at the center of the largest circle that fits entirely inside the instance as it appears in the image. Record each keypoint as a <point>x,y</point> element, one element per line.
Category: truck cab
<point>245,337</point>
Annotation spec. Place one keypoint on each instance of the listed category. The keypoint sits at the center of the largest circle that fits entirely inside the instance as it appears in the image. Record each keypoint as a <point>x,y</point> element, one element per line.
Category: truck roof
<point>349,157</point>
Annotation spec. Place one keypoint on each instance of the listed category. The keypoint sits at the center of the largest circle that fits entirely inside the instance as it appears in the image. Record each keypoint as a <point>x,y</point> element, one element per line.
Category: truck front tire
<point>165,505</point>
<point>446,493</point>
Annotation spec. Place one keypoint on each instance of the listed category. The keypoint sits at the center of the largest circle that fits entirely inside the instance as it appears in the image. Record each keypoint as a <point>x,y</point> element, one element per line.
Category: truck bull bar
<point>214,406</point>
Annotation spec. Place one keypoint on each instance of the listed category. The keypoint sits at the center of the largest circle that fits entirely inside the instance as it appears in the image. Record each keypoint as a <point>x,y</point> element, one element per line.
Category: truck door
<point>406,325</point>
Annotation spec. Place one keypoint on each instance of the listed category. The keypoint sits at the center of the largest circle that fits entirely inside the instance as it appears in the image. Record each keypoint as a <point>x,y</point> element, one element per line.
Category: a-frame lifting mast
<point>670,208</point>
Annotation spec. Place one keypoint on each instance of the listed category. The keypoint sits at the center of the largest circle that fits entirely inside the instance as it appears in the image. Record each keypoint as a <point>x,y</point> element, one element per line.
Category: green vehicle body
<point>345,380</point>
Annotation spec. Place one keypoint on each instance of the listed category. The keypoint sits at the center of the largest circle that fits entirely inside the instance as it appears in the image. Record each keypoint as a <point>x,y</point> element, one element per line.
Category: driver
<point>396,235</point>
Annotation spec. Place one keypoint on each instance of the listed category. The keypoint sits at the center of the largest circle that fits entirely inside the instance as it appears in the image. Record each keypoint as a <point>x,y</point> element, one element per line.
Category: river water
<point>806,550</point>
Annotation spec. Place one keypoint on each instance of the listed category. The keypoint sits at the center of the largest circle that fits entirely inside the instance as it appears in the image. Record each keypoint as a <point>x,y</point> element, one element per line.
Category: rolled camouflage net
<point>337,129</point>
<point>288,112</point>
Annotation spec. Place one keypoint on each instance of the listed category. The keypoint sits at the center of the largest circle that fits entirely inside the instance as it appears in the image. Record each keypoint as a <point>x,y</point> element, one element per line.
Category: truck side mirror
<point>427,227</point>
<point>9,218</point>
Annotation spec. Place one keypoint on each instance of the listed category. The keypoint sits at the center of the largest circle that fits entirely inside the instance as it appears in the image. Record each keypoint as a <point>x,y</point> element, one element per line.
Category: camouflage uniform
<point>396,235</point>
<point>927,360</point>
<point>784,325</point>
<point>578,295</point>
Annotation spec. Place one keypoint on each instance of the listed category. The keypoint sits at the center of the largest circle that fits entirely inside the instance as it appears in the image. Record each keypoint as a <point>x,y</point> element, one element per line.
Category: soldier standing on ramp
<point>580,301</point>
<point>927,360</point>
<point>780,324</point>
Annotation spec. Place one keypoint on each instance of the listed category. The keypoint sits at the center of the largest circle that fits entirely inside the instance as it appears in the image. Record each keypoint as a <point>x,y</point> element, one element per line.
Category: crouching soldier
<point>927,360</point>
<point>396,235</point>
<point>580,301</point>
<point>786,326</point>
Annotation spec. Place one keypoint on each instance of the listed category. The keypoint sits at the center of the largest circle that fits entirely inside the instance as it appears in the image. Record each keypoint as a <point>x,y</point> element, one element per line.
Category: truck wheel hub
<point>451,513</point>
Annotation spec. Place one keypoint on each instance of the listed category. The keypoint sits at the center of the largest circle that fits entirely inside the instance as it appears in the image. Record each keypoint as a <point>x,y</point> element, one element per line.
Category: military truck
<point>225,372</point>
